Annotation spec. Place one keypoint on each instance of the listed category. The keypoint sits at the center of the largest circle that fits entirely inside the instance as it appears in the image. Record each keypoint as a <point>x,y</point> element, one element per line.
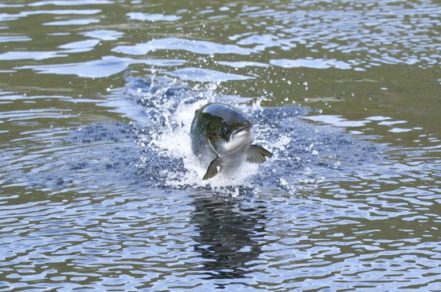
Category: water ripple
<point>11,17</point>
<point>194,46</point>
<point>106,66</point>
<point>79,21</point>
<point>206,75</point>
<point>99,189</point>
<point>152,17</point>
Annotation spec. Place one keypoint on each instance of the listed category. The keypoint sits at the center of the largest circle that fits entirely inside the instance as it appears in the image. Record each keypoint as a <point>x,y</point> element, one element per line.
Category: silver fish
<point>222,138</point>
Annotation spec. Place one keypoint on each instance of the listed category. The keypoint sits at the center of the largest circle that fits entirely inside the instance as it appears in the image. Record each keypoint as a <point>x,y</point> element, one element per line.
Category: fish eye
<point>224,129</point>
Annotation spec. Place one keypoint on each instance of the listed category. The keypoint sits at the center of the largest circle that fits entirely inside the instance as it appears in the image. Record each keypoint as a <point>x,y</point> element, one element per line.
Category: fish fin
<point>258,154</point>
<point>213,169</point>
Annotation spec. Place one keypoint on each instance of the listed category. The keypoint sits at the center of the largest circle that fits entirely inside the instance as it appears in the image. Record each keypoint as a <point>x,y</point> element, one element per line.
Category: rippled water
<point>98,186</point>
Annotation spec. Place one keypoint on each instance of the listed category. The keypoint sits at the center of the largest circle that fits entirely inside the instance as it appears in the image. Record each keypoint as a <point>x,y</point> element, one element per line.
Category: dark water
<point>98,187</point>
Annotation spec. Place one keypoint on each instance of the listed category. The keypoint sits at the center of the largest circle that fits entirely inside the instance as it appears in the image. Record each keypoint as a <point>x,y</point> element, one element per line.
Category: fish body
<point>222,138</point>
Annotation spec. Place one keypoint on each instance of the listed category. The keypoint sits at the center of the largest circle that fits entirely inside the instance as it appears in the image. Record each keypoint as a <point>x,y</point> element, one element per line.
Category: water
<point>98,186</point>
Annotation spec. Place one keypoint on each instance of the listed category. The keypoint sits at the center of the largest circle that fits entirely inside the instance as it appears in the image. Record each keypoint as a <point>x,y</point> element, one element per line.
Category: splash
<point>171,111</point>
<point>305,155</point>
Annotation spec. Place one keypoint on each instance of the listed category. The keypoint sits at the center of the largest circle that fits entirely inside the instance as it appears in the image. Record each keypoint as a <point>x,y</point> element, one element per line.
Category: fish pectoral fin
<point>258,154</point>
<point>213,169</point>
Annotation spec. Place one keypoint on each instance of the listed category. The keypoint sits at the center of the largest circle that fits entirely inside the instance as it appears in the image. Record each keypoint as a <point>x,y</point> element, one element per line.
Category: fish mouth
<point>241,129</point>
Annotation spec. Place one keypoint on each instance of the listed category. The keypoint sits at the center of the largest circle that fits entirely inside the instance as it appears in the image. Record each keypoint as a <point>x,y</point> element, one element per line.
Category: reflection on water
<point>228,236</point>
<point>98,188</point>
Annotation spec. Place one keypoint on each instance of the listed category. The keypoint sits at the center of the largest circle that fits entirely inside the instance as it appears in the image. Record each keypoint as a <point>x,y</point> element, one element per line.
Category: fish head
<point>230,136</point>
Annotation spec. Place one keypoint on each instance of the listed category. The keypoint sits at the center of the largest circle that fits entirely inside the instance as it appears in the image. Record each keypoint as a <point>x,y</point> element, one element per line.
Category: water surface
<point>98,186</point>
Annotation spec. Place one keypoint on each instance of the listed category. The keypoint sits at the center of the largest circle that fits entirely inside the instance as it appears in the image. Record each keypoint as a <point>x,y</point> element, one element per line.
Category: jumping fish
<point>222,138</point>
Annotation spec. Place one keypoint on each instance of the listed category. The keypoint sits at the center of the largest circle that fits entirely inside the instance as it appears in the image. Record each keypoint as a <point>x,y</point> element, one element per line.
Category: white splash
<point>175,141</point>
